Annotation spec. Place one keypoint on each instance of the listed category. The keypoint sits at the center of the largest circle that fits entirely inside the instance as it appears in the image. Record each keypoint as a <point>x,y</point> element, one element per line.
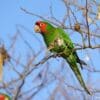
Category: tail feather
<point>76,71</point>
<point>81,62</point>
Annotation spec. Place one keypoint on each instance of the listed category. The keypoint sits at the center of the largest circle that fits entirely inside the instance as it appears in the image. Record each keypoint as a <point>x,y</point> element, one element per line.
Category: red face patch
<point>42,26</point>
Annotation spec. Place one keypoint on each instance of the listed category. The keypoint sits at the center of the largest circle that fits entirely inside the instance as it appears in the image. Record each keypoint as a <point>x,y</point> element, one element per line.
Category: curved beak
<point>37,29</point>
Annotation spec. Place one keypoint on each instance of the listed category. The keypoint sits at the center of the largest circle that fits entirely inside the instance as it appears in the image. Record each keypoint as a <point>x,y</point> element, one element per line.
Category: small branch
<point>18,90</point>
<point>85,47</point>
<point>30,13</point>
<point>87,23</point>
<point>41,62</point>
<point>39,16</point>
<point>22,38</point>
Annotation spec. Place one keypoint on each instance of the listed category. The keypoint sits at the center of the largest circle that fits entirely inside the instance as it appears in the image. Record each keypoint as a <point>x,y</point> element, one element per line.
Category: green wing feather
<point>66,38</point>
<point>70,45</point>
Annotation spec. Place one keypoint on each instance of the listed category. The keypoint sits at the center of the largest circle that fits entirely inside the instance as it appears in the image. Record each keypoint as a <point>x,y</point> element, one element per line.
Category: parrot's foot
<point>50,48</point>
<point>55,55</point>
<point>58,54</point>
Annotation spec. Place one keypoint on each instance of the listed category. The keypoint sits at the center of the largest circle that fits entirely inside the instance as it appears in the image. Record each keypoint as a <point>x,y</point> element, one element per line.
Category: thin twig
<point>87,24</point>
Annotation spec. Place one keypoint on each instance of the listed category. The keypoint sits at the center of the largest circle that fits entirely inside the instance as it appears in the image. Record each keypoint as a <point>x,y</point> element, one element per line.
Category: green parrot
<point>59,42</point>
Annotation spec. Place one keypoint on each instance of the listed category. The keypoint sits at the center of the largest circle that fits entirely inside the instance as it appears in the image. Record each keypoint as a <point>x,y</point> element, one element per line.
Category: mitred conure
<point>58,41</point>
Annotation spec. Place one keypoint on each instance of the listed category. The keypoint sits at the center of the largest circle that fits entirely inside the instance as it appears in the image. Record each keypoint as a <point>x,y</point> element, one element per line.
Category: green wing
<point>70,46</point>
<point>66,38</point>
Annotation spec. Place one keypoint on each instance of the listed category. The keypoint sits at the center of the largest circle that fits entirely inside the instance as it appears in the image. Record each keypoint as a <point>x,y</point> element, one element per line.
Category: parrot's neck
<point>50,35</point>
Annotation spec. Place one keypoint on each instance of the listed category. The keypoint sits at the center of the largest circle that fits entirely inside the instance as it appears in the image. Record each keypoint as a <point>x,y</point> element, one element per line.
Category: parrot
<point>58,41</point>
<point>4,97</point>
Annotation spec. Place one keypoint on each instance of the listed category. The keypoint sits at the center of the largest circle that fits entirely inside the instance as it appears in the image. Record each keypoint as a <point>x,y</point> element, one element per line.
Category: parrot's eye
<point>41,24</point>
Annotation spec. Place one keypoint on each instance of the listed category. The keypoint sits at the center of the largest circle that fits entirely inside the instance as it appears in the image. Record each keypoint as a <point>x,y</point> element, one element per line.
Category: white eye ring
<point>41,24</point>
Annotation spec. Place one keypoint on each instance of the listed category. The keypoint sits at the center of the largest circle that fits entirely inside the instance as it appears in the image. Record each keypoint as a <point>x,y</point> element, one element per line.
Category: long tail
<point>76,71</point>
<point>1,67</point>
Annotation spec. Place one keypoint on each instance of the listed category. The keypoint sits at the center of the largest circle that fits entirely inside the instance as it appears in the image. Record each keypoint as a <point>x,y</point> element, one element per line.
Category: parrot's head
<point>42,27</point>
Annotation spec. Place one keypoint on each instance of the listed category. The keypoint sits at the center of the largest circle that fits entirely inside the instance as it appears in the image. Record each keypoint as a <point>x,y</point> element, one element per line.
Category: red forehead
<point>38,22</point>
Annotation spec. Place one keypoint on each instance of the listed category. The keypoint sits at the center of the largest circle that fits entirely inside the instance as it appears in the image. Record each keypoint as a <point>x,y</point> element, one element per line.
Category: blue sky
<point>11,15</point>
